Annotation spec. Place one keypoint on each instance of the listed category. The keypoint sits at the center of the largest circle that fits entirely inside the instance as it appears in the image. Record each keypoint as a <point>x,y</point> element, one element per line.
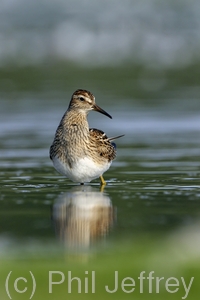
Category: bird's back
<point>104,148</point>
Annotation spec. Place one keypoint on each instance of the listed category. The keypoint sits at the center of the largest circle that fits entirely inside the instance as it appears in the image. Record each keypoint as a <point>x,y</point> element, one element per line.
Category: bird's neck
<point>75,119</point>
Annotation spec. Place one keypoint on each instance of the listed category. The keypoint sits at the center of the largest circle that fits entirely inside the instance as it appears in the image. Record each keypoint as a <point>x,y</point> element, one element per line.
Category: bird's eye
<point>81,98</point>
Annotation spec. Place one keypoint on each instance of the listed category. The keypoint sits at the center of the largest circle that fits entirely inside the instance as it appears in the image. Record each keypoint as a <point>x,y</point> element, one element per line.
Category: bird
<point>78,152</point>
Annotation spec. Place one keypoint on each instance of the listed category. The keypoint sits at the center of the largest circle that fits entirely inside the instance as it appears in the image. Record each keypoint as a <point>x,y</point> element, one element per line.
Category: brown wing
<point>103,146</point>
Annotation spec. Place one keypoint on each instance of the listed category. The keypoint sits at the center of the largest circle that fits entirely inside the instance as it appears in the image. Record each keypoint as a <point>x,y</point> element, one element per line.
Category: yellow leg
<point>102,188</point>
<point>103,182</point>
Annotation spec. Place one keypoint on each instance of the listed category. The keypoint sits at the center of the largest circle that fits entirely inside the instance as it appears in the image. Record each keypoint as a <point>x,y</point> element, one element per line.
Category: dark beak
<point>99,109</point>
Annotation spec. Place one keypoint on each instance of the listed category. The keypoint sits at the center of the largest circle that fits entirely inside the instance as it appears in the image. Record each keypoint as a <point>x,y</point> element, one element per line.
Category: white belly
<point>84,170</point>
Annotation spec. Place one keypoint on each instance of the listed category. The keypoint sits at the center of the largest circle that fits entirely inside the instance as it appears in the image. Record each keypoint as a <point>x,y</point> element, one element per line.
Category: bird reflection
<point>82,216</point>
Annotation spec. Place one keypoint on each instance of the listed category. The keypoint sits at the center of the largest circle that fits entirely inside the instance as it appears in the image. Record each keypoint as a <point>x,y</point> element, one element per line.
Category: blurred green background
<point>141,60</point>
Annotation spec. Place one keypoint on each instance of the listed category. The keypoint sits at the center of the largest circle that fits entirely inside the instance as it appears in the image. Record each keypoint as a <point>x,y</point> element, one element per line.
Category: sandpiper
<point>79,152</point>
